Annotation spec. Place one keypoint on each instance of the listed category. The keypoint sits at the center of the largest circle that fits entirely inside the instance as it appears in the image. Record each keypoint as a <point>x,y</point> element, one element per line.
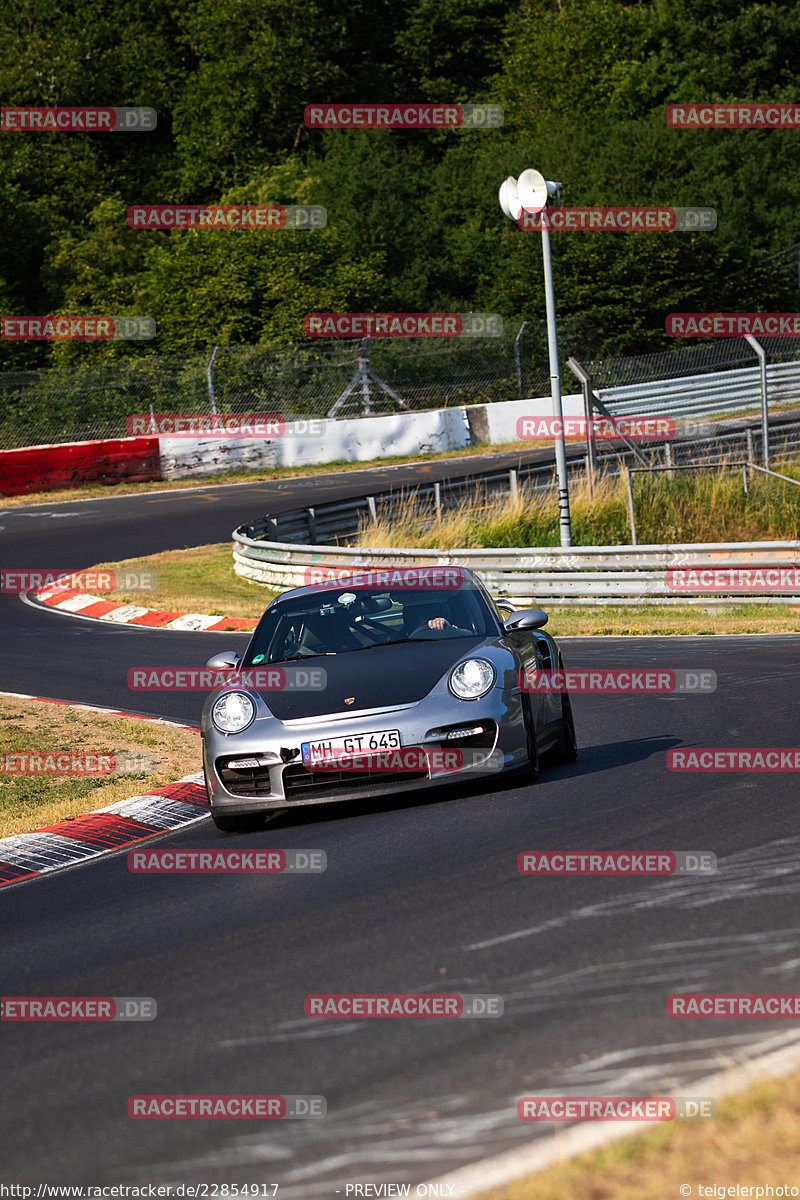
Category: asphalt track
<point>421,895</point>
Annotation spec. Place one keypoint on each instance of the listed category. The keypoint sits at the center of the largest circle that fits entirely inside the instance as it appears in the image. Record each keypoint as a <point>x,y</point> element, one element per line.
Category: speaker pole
<point>564,523</point>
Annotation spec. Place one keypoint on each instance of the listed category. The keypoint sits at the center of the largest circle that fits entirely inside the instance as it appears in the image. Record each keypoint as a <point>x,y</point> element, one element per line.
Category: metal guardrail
<point>705,395</point>
<point>592,575</point>
<point>341,520</point>
<point>281,551</point>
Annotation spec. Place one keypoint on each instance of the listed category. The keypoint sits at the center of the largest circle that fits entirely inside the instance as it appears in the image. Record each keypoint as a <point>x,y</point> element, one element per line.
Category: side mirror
<point>526,618</point>
<point>228,660</point>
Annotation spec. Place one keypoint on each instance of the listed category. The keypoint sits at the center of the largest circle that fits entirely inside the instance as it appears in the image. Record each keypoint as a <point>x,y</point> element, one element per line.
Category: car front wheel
<point>531,768</point>
<point>568,744</point>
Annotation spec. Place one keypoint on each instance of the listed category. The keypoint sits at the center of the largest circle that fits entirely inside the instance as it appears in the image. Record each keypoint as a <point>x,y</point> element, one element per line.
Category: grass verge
<point>29,802</point>
<point>754,1140</point>
<point>198,580</point>
<point>686,508</point>
<point>202,580</point>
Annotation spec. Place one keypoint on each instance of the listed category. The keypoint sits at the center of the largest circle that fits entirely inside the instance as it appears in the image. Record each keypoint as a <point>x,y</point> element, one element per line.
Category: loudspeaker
<point>509,199</point>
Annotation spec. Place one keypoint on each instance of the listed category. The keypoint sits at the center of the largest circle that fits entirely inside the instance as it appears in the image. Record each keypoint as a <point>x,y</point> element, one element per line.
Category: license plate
<point>360,743</point>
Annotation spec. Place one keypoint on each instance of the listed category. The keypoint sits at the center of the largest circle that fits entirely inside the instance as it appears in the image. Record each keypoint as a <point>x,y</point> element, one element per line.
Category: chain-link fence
<point>342,378</point>
<point>335,378</point>
<point>725,353</point>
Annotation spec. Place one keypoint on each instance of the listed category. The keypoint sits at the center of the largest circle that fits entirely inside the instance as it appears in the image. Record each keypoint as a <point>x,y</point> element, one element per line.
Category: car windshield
<point>337,621</point>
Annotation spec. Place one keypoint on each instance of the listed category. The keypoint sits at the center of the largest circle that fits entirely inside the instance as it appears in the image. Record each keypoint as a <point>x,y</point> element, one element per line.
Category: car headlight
<point>233,712</point>
<point>472,679</point>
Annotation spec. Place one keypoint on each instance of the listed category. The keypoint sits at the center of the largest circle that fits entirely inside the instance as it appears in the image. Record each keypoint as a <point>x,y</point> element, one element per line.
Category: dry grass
<point>199,580</point>
<point>29,802</point>
<point>680,619</point>
<point>754,1140</point>
<point>709,506</point>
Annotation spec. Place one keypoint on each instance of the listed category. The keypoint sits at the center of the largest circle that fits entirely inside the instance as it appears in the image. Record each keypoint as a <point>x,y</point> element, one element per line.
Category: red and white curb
<point>80,604</point>
<point>26,855</point>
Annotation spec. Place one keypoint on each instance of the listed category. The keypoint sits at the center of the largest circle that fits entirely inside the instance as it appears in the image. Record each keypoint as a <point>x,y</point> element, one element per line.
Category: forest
<point>413,220</point>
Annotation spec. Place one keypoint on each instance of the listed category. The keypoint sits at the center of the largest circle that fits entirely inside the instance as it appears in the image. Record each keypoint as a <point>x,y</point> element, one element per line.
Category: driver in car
<point>437,618</point>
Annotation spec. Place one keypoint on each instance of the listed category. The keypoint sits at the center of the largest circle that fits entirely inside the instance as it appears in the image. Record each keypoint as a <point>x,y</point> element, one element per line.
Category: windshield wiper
<point>295,658</point>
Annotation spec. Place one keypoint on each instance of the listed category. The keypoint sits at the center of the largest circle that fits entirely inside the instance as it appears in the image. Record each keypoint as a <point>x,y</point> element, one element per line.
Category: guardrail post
<point>668,460</point>
<point>762,362</point>
<point>628,474</point>
<point>751,452</point>
<point>586,388</point>
<point>437,500</point>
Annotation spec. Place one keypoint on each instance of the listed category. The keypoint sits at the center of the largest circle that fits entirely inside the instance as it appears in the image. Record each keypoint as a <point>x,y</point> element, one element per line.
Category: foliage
<point>413,219</point>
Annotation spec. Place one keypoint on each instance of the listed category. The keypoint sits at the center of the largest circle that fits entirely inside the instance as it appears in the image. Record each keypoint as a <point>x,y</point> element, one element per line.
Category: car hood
<point>380,677</point>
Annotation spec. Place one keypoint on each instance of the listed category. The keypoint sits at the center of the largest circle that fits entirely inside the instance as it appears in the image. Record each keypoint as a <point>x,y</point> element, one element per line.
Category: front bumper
<point>280,780</point>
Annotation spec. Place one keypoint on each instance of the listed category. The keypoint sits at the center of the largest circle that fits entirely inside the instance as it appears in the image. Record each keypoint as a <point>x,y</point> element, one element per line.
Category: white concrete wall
<point>357,439</point>
<point>502,418</point>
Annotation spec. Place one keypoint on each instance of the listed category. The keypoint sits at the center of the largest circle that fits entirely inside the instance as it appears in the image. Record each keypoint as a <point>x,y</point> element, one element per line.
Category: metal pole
<point>628,473</point>
<point>516,356</point>
<point>586,388</point>
<point>762,362</point>
<point>555,388</point>
<point>212,402</point>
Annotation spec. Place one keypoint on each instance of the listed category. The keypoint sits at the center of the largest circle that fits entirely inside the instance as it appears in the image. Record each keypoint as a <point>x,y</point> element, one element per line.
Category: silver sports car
<point>388,682</point>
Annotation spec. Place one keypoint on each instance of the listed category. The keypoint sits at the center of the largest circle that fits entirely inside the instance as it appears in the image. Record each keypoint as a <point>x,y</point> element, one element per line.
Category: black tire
<point>568,745</point>
<point>238,822</point>
<point>531,768</point>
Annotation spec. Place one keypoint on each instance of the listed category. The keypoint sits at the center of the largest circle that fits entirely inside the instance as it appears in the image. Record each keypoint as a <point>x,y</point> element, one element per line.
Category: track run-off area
<point>420,894</point>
